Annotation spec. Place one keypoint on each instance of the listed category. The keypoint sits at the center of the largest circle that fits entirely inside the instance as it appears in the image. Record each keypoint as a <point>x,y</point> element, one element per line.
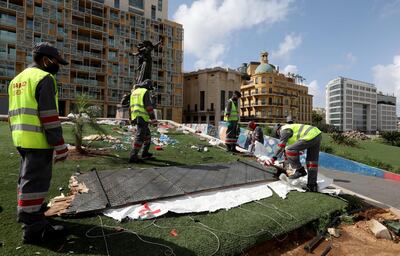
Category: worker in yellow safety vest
<point>293,139</point>
<point>37,134</point>
<point>231,116</point>
<point>141,113</point>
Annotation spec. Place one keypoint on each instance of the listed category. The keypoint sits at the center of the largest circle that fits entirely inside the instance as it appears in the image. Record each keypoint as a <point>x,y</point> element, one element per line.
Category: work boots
<point>49,232</point>
<point>147,155</point>
<point>298,173</point>
<point>134,159</point>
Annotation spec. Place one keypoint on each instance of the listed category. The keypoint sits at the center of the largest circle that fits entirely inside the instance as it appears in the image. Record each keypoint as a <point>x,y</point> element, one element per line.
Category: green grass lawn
<point>371,152</point>
<point>228,232</point>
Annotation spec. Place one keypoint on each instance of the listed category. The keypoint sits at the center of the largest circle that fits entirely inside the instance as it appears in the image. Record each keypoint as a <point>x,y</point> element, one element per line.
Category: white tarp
<point>217,200</point>
<point>200,202</point>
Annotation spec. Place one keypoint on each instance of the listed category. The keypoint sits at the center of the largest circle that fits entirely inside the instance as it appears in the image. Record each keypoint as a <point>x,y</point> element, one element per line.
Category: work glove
<point>60,153</point>
<point>269,161</point>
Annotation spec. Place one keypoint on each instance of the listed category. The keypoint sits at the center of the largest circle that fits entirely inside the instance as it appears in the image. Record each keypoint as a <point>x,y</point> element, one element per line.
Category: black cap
<point>47,49</point>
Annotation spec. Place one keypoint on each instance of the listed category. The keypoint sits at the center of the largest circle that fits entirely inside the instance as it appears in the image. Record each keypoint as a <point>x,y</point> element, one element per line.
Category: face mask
<point>53,68</point>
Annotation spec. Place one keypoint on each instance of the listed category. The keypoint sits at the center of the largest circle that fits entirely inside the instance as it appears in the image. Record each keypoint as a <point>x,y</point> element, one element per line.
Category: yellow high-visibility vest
<point>234,115</point>
<point>26,129</point>
<point>301,132</point>
<point>137,104</point>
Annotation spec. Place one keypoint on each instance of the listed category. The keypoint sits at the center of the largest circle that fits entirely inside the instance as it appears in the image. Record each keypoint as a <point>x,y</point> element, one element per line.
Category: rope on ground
<point>168,252</point>
<point>105,240</point>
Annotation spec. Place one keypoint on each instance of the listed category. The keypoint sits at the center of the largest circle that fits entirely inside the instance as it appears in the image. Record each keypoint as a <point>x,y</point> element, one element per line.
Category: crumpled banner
<point>200,202</point>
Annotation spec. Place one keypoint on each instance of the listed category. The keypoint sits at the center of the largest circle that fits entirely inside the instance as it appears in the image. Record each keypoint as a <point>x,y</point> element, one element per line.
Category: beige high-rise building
<point>269,96</point>
<point>98,39</point>
<point>206,92</point>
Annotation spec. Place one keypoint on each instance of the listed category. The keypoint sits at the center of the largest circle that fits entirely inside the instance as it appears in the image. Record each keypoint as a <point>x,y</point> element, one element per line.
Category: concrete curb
<point>341,164</point>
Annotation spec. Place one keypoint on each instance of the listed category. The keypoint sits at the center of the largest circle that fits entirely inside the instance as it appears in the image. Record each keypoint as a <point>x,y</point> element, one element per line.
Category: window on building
<point>270,80</point>
<point>203,118</point>
<point>188,107</point>
<point>195,107</point>
<point>159,6</point>
<point>202,99</point>
<point>116,3</point>
<point>212,107</point>
<point>153,12</point>
<point>136,3</point>
<point>270,101</point>
<point>222,99</point>
<point>270,90</point>
<point>230,94</point>
<point>29,23</point>
<point>263,80</point>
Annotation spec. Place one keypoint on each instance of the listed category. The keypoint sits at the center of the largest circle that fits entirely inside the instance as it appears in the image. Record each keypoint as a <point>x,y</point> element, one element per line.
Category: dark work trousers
<point>231,135</point>
<point>142,137</point>
<point>33,185</point>
<point>312,147</point>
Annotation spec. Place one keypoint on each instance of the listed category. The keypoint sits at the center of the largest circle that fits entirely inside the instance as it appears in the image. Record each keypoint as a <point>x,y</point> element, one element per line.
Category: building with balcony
<point>206,92</point>
<point>98,39</point>
<point>270,96</point>
<point>356,105</point>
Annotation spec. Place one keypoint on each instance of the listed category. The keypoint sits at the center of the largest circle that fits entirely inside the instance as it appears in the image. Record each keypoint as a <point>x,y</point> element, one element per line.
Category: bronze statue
<point>145,60</point>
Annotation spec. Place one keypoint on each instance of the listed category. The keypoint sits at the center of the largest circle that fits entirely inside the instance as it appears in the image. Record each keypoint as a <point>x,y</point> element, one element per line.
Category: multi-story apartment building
<point>270,96</point>
<point>356,105</point>
<point>206,92</point>
<point>387,119</point>
<point>98,38</point>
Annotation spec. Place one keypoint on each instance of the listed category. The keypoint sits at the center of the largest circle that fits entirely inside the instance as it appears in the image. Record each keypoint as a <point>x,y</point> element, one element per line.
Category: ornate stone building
<point>269,96</point>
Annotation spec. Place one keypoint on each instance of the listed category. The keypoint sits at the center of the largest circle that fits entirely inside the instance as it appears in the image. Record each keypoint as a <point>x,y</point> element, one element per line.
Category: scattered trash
<point>185,132</point>
<point>19,247</point>
<point>37,253</point>
<point>215,142</point>
<point>173,233</point>
<point>205,149</point>
<point>334,232</point>
<point>162,130</point>
<point>98,137</point>
<point>393,225</point>
<point>158,148</point>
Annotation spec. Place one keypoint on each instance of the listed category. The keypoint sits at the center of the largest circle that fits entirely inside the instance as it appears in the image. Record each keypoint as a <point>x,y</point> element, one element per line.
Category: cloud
<point>317,92</point>
<point>387,78</point>
<point>291,69</point>
<point>389,8</point>
<point>351,58</point>
<point>290,43</point>
<point>209,25</point>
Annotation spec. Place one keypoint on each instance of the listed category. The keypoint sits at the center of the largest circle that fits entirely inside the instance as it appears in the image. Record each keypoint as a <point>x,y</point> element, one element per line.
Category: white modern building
<point>356,105</point>
<point>351,105</point>
<point>386,112</point>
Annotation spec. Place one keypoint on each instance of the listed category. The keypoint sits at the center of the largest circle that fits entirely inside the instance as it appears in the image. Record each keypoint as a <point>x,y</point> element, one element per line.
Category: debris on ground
<point>334,232</point>
<point>379,230</point>
<point>215,142</point>
<point>200,148</point>
<point>59,204</point>
<point>99,137</point>
<point>112,122</point>
<point>393,225</point>
<point>356,135</point>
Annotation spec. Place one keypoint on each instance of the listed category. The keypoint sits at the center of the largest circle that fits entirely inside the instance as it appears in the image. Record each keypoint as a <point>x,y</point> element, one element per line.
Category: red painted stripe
<point>281,145</point>
<point>137,145</point>
<point>312,165</point>
<point>30,202</point>
<point>49,119</point>
<point>288,153</point>
<point>391,176</point>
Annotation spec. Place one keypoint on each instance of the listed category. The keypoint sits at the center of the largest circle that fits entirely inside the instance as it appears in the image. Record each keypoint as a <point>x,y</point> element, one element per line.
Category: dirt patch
<point>355,239</point>
<point>73,154</point>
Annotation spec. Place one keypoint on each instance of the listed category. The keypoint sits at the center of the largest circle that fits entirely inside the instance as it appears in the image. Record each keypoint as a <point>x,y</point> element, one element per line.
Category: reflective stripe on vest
<point>301,132</point>
<point>26,127</point>
<point>234,115</point>
<point>137,104</point>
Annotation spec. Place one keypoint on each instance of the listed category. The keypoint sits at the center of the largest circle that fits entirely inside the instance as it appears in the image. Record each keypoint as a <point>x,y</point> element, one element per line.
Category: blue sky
<point>318,39</point>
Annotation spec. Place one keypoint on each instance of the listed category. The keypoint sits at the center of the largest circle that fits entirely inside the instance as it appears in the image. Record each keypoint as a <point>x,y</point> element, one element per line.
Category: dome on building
<point>264,67</point>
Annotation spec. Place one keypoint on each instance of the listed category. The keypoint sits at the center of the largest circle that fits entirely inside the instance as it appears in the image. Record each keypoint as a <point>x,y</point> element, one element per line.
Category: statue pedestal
<point>122,112</point>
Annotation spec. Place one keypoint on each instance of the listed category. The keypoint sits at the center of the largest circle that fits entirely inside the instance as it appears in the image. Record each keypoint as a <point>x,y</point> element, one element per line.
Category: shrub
<point>327,149</point>
<point>392,137</point>
<point>340,138</point>
<point>378,163</point>
<point>268,131</point>
<point>327,128</point>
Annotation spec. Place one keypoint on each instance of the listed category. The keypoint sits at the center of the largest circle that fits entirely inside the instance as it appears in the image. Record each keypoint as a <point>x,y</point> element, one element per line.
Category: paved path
<point>385,191</point>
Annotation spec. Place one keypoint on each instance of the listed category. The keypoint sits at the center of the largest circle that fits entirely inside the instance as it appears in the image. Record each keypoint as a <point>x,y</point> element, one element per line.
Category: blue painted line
<point>341,164</point>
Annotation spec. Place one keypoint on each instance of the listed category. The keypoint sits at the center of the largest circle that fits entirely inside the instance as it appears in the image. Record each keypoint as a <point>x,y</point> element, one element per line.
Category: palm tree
<point>85,115</point>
